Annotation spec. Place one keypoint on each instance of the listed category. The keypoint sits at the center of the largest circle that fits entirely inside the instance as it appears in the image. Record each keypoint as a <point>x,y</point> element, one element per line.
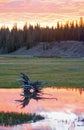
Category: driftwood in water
<point>27,84</point>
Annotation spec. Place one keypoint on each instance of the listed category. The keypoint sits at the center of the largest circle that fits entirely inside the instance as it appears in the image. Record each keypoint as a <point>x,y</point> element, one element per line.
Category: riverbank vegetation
<point>9,119</point>
<point>68,72</point>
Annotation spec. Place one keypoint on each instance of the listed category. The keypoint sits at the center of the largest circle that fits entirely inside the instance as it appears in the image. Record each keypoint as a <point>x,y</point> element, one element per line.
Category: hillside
<point>63,48</point>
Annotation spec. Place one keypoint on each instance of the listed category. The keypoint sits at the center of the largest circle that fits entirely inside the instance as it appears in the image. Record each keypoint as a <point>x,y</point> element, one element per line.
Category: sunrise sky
<point>45,12</point>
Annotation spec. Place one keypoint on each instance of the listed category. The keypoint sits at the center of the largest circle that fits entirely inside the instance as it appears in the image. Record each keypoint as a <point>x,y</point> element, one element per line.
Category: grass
<point>9,119</point>
<point>68,72</point>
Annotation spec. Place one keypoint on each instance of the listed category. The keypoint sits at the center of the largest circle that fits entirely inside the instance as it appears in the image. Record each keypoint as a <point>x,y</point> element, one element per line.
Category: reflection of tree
<point>28,95</point>
<point>81,90</point>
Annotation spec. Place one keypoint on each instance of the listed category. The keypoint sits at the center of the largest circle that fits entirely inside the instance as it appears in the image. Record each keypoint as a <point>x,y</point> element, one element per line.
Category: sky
<point>44,12</point>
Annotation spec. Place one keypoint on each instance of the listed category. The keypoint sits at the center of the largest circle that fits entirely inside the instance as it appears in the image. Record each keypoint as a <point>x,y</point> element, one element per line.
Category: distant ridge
<point>63,48</point>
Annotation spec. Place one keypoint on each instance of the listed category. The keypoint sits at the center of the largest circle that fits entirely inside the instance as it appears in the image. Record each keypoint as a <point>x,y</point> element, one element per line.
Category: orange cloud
<point>5,0</point>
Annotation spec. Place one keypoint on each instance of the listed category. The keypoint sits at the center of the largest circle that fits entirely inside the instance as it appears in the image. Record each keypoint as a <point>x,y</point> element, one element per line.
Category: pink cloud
<point>40,7</point>
<point>41,11</point>
<point>30,5</point>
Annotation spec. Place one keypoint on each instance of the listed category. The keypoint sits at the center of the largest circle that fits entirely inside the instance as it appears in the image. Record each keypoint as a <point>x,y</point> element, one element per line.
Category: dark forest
<point>29,36</point>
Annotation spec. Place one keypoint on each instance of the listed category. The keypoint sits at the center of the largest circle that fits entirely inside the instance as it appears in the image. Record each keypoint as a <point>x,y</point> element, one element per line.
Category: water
<point>62,108</point>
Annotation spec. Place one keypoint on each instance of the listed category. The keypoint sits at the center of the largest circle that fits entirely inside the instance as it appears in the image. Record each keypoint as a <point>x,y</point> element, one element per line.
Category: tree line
<point>29,36</point>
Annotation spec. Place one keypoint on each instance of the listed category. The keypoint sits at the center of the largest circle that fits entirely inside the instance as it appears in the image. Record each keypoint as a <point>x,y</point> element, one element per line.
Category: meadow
<point>62,72</point>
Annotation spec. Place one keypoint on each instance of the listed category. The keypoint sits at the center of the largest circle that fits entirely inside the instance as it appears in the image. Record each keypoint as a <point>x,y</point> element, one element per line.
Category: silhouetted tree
<point>30,36</point>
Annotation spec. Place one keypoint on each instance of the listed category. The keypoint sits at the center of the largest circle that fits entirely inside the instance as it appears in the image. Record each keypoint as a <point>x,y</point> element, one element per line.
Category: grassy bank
<point>67,72</point>
<point>12,118</point>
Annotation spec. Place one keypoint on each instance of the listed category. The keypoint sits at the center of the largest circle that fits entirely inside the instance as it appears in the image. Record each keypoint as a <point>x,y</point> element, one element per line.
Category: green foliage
<point>17,118</point>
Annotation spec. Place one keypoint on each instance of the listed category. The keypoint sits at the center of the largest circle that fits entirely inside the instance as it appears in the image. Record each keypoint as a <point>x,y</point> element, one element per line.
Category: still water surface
<point>62,108</point>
